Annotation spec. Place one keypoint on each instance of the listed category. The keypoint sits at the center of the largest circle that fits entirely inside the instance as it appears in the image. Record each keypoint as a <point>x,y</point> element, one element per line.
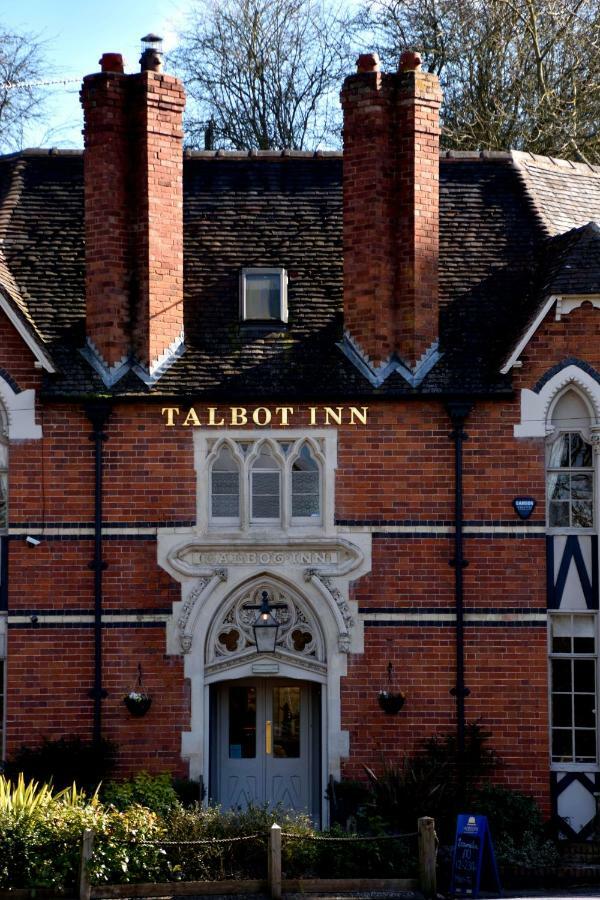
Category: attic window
<point>263,295</point>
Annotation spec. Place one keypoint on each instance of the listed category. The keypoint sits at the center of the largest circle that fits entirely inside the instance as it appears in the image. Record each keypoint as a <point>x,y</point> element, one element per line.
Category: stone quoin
<point>322,378</point>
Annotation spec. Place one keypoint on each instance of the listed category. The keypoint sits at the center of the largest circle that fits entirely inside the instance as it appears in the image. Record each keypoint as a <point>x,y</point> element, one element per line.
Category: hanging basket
<point>391,703</point>
<point>137,701</point>
<point>137,704</point>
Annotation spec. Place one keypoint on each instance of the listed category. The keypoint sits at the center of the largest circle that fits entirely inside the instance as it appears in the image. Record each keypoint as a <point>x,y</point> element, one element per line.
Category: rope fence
<point>204,841</point>
<point>213,860</point>
<point>355,837</point>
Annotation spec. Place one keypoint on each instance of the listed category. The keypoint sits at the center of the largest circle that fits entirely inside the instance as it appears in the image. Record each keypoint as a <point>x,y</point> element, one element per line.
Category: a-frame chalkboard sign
<point>473,858</point>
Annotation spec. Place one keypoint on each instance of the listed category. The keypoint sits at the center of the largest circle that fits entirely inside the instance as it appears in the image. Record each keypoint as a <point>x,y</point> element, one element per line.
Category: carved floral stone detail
<point>298,632</point>
<point>340,601</point>
<point>187,607</point>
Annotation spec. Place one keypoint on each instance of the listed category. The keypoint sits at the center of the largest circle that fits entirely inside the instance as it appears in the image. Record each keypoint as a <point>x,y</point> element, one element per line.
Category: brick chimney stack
<point>391,218</point>
<point>133,171</point>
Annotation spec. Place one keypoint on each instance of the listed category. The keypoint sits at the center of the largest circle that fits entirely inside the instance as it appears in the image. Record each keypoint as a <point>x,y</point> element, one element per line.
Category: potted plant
<point>391,702</point>
<point>138,701</point>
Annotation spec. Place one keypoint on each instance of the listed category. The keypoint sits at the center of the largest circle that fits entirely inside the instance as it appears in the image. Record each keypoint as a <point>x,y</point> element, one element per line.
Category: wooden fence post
<point>87,846</point>
<point>427,855</point>
<point>275,862</point>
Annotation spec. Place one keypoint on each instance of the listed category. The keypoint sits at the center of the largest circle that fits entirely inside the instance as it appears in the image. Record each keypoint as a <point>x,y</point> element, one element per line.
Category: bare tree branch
<point>266,72</point>
<point>515,73</point>
<point>21,62</point>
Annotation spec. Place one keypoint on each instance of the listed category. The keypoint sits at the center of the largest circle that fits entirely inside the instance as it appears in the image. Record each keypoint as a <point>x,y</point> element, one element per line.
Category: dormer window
<point>263,295</point>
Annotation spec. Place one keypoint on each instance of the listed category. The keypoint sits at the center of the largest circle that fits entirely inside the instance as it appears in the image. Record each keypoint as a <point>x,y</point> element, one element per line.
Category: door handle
<point>268,737</point>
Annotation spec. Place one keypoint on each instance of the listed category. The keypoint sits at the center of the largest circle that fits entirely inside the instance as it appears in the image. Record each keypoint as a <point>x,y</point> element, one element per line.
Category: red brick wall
<point>397,469</point>
<point>391,212</point>
<point>158,102</point>
<point>133,167</point>
<point>418,142</point>
<point>107,241</point>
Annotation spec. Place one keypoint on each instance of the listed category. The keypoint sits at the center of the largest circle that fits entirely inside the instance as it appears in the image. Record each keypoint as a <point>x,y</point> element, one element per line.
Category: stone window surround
<point>323,445</point>
<point>20,412</point>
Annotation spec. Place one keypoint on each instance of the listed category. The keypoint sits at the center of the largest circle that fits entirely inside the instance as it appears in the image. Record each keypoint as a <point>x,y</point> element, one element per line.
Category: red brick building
<point>326,379</point>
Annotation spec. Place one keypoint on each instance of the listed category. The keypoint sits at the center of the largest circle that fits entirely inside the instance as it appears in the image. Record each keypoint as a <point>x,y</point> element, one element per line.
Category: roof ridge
<point>11,197</point>
<point>522,157</point>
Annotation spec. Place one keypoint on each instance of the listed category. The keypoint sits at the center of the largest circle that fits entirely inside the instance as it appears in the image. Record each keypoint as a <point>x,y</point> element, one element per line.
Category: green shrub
<point>156,792</point>
<point>40,838</point>
<point>436,781</point>
<point>64,761</point>
<point>516,826</point>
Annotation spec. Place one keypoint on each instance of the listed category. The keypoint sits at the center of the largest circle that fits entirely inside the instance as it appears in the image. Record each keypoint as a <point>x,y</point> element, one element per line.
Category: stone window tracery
<point>298,634</point>
<point>269,482</point>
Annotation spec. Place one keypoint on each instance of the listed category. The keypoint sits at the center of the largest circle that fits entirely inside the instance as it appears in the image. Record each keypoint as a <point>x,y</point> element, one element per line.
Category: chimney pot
<point>151,59</point>
<point>410,61</point>
<point>367,62</point>
<point>112,62</point>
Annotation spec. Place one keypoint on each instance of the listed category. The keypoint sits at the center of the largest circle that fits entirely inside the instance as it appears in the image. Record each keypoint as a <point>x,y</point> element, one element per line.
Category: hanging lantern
<point>266,626</point>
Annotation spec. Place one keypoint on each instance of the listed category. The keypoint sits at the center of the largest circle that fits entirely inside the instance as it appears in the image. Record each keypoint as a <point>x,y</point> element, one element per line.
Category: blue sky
<point>77,32</point>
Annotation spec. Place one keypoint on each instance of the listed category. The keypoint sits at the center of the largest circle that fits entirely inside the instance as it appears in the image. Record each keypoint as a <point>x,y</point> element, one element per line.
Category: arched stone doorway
<point>265,725</point>
<point>216,573</point>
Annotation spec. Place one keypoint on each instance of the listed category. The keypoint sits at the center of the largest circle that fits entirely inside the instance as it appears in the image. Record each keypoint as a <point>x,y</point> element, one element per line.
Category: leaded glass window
<point>266,488</point>
<point>225,487</point>
<point>306,493</point>
<point>570,482</point>
<point>573,664</point>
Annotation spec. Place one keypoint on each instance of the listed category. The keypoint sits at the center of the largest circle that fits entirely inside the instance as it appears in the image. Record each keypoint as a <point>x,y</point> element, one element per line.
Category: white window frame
<point>306,520</point>
<point>274,470</point>
<point>323,447</point>
<point>283,282</point>
<point>224,521</point>
<point>555,470</point>
<point>591,766</point>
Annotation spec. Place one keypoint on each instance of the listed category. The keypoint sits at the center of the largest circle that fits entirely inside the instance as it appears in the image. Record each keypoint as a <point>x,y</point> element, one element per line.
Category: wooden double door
<point>265,745</point>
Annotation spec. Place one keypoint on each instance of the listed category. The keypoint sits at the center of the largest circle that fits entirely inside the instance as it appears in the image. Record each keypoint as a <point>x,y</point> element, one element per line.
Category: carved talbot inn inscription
<point>216,417</point>
<point>262,557</point>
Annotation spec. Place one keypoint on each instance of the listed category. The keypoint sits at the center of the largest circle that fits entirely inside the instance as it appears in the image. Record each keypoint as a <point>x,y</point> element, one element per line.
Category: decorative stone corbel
<point>339,605</point>
<point>201,591</point>
<point>595,438</point>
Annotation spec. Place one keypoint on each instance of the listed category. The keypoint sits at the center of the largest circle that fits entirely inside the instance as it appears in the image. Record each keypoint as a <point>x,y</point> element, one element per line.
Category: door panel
<point>287,777</point>
<point>264,749</point>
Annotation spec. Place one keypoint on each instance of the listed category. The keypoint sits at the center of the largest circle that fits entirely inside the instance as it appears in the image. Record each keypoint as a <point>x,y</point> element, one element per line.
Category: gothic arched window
<point>306,488</point>
<point>225,488</point>
<point>265,488</point>
<point>570,470</point>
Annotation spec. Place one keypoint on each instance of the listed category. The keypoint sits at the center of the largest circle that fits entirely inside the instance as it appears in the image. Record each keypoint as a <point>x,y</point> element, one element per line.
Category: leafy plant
<point>437,781</point>
<point>156,792</point>
<point>516,825</point>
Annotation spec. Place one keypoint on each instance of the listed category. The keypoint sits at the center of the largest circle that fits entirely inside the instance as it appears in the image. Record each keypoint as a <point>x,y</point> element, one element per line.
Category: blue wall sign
<point>473,857</point>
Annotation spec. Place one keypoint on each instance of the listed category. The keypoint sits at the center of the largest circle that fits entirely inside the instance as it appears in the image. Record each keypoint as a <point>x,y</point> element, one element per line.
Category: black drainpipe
<point>98,414</point>
<point>458,412</point>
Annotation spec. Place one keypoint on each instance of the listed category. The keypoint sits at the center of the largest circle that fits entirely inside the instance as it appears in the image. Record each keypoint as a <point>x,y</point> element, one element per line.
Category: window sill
<point>574,767</point>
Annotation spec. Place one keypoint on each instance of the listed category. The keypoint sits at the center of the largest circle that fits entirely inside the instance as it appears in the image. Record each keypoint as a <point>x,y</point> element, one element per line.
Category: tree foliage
<point>515,73</point>
<point>264,74</point>
<point>22,61</point>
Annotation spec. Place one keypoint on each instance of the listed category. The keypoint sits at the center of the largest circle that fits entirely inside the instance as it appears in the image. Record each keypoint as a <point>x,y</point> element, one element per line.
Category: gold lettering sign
<point>261,416</point>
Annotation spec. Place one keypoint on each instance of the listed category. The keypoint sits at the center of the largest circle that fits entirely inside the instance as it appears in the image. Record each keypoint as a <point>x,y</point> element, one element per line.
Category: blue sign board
<point>473,857</point>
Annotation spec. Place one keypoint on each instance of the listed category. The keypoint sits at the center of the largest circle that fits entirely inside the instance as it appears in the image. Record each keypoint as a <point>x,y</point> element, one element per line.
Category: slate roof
<point>574,261</point>
<point>285,210</point>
